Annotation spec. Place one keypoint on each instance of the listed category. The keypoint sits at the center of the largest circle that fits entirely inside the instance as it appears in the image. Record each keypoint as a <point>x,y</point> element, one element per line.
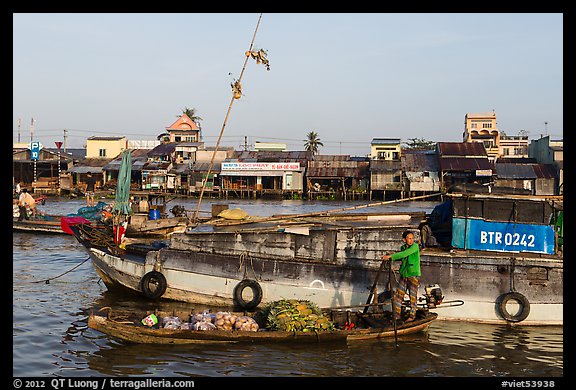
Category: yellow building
<point>482,127</point>
<point>385,149</point>
<point>105,147</point>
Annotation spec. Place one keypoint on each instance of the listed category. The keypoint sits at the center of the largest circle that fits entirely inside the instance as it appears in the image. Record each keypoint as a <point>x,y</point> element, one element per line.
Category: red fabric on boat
<point>66,222</point>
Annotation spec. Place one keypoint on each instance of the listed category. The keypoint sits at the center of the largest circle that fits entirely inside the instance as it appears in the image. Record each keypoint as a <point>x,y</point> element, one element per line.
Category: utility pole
<point>31,129</point>
<point>546,127</point>
<point>19,130</point>
<point>65,136</point>
<point>59,145</point>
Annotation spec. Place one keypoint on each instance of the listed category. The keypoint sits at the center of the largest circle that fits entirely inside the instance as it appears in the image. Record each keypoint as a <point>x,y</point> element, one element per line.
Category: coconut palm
<point>312,142</point>
<point>191,113</point>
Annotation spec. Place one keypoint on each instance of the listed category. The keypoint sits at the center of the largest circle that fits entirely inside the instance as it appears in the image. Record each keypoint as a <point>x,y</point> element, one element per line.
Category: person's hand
<point>385,257</point>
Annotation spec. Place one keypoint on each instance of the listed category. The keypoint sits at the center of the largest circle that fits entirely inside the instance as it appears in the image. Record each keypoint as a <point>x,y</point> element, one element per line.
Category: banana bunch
<point>295,316</point>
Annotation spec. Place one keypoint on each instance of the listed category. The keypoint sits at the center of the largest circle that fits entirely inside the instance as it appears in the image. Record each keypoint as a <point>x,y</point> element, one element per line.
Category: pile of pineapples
<point>295,316</point>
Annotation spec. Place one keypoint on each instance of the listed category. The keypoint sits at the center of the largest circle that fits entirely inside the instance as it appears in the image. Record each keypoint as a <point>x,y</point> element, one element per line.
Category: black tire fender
<point>156,278</point>
<point>256,294</point>
<point>514,296</point>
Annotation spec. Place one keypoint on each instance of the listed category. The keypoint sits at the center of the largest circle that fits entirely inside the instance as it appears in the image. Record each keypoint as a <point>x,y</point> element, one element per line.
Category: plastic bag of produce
<point>202,325</point>
<point>224,320</point>
<point>171,322</point>
<point>246,323</point>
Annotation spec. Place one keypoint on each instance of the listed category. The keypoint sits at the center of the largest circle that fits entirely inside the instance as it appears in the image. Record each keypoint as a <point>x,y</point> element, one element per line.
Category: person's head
<point>24,189</point>
<point>408,237</point>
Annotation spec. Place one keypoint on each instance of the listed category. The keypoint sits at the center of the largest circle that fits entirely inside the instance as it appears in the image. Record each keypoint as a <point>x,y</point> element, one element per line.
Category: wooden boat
<point>49,226</point>
<point>135,332</point>
<point>333,258</point>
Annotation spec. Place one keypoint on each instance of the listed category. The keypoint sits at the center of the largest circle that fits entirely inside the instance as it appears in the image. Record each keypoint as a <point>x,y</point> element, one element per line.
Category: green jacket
<point>410,260</point>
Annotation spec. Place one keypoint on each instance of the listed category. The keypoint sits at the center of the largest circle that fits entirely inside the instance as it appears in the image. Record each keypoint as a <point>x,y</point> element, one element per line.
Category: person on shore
<point>410,273</point>
<point>89,190</point>
<point>25,200</point>
<point>17,189</point>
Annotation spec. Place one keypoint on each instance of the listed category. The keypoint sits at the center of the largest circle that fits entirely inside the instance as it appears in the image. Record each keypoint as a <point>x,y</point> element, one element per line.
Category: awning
<point>252,173</point>
<point>85,169</point>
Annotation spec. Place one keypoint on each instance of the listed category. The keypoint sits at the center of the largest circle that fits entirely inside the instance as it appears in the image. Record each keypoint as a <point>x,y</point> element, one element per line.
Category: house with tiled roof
<point>183,129</point>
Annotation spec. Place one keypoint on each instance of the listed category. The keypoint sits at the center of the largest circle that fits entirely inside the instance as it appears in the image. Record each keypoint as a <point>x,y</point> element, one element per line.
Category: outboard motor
<point>433,295</point>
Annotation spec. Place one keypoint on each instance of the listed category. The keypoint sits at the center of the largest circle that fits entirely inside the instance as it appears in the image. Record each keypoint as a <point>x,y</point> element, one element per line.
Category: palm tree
<point>191,113</point>
<point>312,142</point>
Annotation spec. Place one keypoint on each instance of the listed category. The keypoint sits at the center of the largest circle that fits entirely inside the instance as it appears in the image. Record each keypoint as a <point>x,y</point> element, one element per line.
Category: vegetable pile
<point>295,316</point>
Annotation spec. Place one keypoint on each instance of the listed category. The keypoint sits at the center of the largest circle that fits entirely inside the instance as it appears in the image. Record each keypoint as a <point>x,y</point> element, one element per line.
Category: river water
<point>51,337</point>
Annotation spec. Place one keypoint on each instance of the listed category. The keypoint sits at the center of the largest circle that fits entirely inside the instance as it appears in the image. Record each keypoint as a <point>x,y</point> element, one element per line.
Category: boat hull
<point>334,262</point>
<point>142,334</point>
<point>212,279</point>
<point>37,226</point>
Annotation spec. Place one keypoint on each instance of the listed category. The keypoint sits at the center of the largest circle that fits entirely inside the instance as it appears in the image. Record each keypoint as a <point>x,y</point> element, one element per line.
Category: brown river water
<point>50,337</point>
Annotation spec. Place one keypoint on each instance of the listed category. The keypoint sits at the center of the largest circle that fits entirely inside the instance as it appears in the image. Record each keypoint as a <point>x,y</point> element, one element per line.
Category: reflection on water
<point>51,337</point>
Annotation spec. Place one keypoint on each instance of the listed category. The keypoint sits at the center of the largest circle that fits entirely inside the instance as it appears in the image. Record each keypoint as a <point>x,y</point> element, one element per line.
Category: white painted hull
<point>204,285</point>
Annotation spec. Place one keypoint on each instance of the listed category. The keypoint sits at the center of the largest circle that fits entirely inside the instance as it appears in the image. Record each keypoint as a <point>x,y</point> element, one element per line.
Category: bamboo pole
<point>328,212</point>
<point>195,219</point>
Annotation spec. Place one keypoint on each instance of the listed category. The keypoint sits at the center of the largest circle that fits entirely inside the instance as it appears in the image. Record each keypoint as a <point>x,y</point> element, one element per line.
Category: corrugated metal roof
<point>355,169</point>
<point>461,149</point>
<point>163,149</point>
<point>271,156</point>
<point>525,171</point>
<point>154,165</point>
<point>85,169</point>
<point>386,141</point>
<point>419,161</point>
<point>544,171</point>
<point>332,157</point>
<point>463,164</point>
<point>515,171</point>
<point>203,167</point>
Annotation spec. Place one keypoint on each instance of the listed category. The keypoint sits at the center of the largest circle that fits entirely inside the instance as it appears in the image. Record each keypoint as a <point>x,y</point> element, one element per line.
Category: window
<point>102,152</point>
<point>487,125</point>
<point>190,139</point>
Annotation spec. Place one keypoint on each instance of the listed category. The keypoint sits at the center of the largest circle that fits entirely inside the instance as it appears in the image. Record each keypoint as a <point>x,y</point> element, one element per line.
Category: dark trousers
<point>23,213</point>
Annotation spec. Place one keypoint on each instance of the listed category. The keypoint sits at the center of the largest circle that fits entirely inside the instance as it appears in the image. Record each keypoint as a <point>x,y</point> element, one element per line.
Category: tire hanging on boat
<point>503,300</point>
<point>153,277</point>
<point>256,294</point>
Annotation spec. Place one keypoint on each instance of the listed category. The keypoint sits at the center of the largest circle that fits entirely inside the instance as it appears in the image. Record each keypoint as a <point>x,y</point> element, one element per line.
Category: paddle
<point>373,289</point>
<point>390,273</point>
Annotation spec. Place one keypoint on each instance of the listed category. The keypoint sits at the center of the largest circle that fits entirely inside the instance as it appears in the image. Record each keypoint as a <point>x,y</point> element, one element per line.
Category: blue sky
<point>348,77</point>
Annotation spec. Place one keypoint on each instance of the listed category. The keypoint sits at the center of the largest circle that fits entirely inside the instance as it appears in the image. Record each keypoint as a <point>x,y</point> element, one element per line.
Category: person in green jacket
<point>409,281</point>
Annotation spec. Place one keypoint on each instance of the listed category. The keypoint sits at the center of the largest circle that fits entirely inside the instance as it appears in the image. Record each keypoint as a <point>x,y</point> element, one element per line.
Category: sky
<point>349,77</point>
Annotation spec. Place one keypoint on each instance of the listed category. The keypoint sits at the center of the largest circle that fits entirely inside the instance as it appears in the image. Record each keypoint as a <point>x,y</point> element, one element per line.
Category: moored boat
<point>333,258</point>
<point>132,330</point>
<point>49,225</point>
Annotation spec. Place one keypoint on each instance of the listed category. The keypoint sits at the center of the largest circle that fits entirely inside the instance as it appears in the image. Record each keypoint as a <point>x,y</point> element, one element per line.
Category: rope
<point>243,256</point>
<point>47,281</point>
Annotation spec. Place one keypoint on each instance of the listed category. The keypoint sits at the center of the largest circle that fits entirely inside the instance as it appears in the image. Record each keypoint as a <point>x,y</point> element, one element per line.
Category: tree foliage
<point>312,142</point>
<point>191,113</point>
<point>420,143</point>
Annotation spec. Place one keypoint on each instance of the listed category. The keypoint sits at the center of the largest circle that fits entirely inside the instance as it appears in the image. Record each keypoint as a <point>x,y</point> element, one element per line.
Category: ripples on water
<point>51,338</point>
